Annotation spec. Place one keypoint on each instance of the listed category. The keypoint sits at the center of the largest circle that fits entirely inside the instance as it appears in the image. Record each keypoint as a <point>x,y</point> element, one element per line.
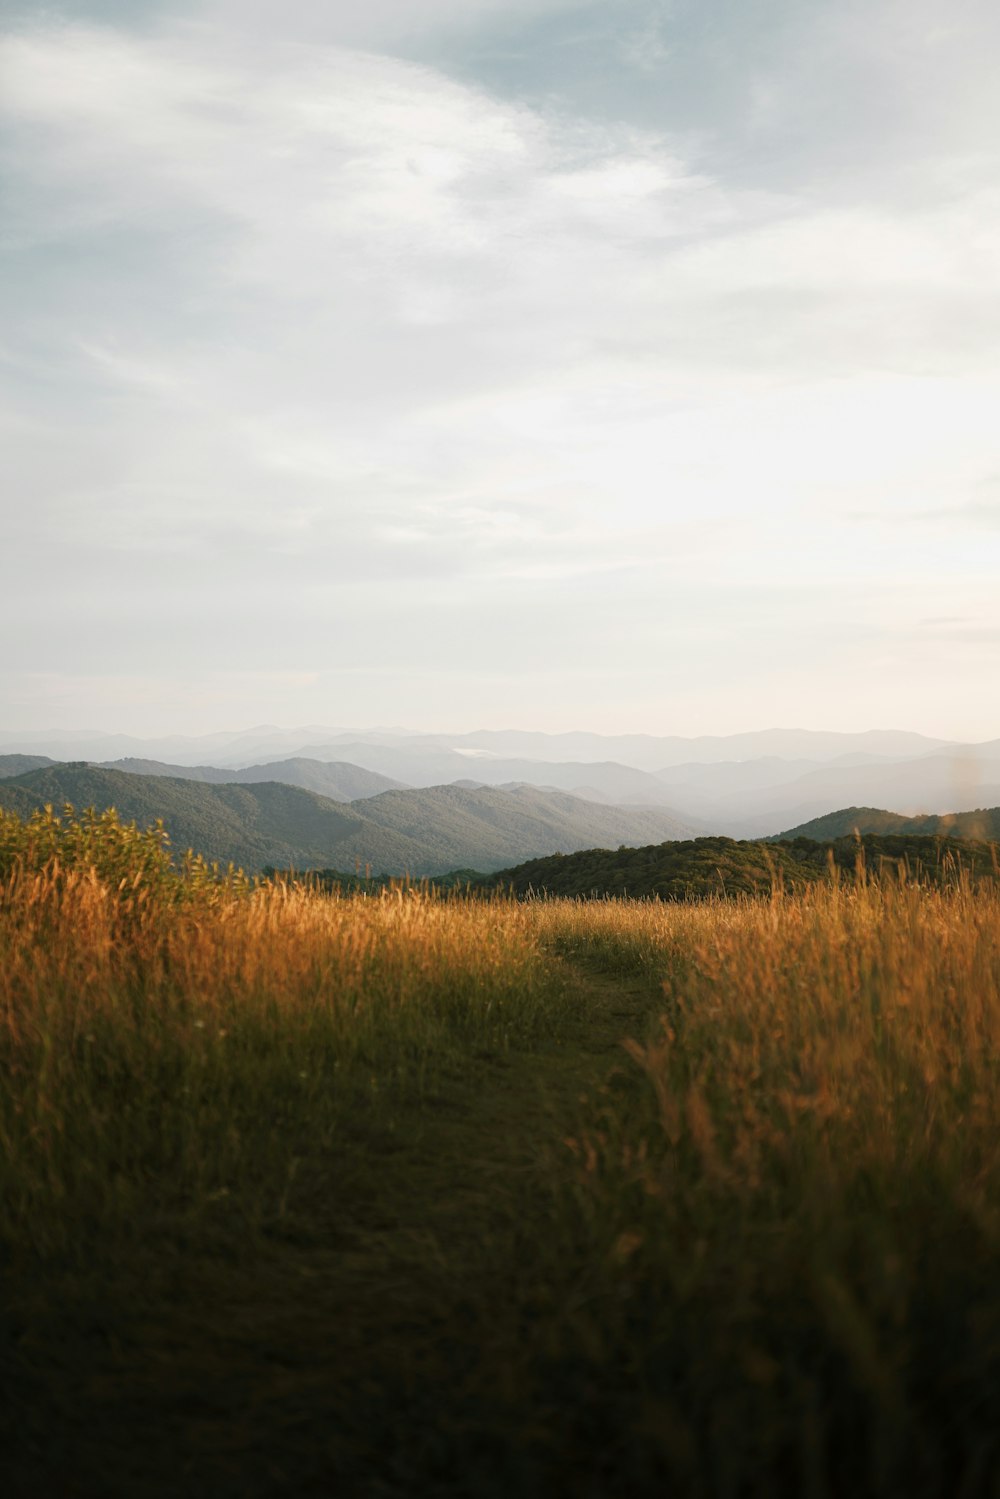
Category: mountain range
<point>741,786</point>
<point>337,780</point>
<point>643,751</point>
<point>417,831</point>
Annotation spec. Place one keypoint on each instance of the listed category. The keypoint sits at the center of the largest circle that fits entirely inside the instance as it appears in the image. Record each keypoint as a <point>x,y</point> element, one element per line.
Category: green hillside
<point>338,780</point>
<point>251,826</point>
<point>420,832</point>
<point>700,867</point>
<point>485,827</point>
<point>981,824</point>
<point>19,765</point>
<point>536,838</point>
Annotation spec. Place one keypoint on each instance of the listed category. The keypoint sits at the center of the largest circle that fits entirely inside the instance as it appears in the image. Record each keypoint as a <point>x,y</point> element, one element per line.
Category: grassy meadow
<point>419,1194</point>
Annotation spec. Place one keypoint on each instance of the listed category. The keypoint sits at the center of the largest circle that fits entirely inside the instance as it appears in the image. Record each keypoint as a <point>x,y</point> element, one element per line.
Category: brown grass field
<point>424,1195</point>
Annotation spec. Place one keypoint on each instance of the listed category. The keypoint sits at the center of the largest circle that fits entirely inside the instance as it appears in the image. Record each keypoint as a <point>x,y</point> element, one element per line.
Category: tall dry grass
<point>802,1210</point>
<point>858,1026</point>
<point>763,1259</point>
<point>167,1046</point>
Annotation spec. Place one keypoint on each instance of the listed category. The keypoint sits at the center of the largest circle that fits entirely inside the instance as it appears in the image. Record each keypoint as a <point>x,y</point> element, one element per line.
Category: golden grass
<point>760,1258</point>
<point>853,1028</point>
<point>150,1041</point>
<point>808,1195</point>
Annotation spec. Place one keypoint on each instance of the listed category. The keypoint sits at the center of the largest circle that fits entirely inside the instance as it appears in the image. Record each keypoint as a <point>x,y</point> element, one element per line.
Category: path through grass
<point>380,1338</point>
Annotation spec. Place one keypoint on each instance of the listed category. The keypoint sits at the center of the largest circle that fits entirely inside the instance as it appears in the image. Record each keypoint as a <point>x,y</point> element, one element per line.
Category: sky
<point>631,366</point>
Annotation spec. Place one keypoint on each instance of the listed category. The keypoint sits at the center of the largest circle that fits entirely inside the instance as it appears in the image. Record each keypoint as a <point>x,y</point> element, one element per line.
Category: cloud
<point>314,324</point>
<point>980,510</point>
<point>377,23</point>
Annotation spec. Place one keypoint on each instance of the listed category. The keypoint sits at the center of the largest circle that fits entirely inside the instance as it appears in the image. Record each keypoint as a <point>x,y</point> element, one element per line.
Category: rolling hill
<point>703,867</point>
<point>419,764</point>
<point>942,782</point>
<point>739,786</point>
<point>420,832</point>
<point>337,780</point>
<point>983,823</point>
<point>19,765</point>
<point>476,828</point>
<point>254,825</point>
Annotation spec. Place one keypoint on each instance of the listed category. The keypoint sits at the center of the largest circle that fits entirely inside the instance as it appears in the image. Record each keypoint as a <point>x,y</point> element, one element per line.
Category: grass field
<point>406,1195</point>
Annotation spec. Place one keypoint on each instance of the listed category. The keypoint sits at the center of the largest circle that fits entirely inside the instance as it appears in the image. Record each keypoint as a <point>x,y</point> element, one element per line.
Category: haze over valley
<point>426,804</point>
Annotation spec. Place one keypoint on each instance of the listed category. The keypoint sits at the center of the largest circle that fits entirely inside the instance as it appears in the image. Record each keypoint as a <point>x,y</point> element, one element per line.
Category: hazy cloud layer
<point>463,362</point>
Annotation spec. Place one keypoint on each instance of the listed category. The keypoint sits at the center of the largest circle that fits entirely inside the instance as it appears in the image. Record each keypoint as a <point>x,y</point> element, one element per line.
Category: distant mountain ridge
<point>422,765</point>
<point>655,752</point>
<point>337,779</point>
<point>649,752</point>
<point>740,786</point>
<point>426,831</point>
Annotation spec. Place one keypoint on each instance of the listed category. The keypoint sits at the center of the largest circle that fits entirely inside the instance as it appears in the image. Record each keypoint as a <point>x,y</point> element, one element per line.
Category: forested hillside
<point>247,825</point>
<point>700,867</point>
<point>338,780</point>
<point>417,832</point>
<point>487,826</point>
<point>19,765</point>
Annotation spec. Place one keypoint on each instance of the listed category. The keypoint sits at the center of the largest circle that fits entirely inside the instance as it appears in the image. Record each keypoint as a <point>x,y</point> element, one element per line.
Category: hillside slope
<point>982,824</point>
<point>338,780</point>
<point>19,765</point>
<point>252,826</point>
<point>938,784</point>
<point>417,832</point>
<point>484,827</point>
<point>701,867</point>
<point>434,765</point>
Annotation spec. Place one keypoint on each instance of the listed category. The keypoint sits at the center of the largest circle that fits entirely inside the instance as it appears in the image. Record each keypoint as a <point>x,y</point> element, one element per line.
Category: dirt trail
<point>274,1373</point>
